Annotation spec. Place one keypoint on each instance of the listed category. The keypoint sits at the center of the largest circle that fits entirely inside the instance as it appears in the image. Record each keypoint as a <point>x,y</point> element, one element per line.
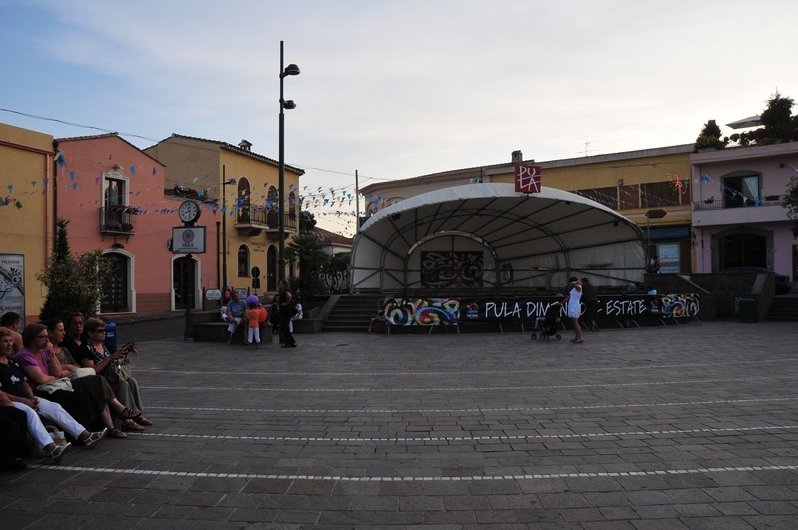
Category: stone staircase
<point>353,313</point>
<point>783,307</point>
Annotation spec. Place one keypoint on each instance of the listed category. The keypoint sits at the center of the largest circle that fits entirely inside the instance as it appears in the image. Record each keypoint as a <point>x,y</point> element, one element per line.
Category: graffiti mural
<point>445,311</point>
<point>451,269</point>
<point>421,311</point>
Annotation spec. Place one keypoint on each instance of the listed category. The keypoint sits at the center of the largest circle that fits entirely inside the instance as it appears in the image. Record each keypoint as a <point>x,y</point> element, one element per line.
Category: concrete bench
<point>217,332</point>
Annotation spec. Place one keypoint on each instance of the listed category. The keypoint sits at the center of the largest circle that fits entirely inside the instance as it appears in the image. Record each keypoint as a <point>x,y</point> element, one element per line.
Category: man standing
<point>286,312</point>
<point>234,315</point>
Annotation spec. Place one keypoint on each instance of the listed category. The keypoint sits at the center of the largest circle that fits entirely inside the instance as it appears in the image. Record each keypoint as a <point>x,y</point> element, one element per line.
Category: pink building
<point>112,194</point>
<point>738,217</point>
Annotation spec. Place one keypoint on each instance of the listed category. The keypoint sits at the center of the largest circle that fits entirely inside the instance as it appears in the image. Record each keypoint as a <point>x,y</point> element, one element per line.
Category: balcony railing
<point>116,220</point>
<point>720,204</point>
<point>265,219</point>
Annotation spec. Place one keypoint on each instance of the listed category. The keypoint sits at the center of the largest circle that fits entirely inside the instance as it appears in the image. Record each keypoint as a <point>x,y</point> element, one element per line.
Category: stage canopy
<point>488,236</point>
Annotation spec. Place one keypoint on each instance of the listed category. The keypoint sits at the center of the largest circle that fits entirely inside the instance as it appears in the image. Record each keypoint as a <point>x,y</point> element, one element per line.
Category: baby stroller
<point>549,324</point>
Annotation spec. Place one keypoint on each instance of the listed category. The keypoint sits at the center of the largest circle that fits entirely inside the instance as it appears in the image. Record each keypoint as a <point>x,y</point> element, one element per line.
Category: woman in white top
<point>573,304</point>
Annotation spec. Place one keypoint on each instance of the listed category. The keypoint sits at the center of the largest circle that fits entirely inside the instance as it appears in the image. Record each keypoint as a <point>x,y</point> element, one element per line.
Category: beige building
<point>651,187</point>
<point>244,185</point>
<point>26,217</point>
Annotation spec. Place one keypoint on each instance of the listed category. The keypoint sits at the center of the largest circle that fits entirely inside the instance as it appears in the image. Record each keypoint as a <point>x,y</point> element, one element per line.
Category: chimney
<point>245,145</point>
<point>517,157</point>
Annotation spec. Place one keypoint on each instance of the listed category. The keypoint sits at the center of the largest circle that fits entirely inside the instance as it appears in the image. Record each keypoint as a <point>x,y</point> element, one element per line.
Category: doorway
<point>184,279</point>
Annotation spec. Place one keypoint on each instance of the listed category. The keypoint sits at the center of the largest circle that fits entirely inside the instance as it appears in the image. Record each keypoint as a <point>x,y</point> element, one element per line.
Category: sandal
<point>136,416</point>
<point>130,425</point>
<point>58,451</point>
<point>116,433</point>
<point>94,437</point>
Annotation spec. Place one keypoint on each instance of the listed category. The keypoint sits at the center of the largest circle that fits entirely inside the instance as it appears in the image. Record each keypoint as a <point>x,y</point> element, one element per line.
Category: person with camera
<point>14,389</point>
<point>93,353</point>
<point>85,399</point>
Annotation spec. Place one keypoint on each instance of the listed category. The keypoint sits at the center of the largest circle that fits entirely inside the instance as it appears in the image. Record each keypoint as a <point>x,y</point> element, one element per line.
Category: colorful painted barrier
<point>451,311</point>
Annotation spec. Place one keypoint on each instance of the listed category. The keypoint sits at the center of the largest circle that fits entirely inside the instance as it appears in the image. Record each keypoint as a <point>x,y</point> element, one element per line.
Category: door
<point>114,299</point>
<point>184,274</point>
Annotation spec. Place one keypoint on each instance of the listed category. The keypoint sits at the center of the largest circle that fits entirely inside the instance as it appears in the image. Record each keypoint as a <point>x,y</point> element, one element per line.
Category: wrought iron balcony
<point>261,219</point>
<point>116,220</point>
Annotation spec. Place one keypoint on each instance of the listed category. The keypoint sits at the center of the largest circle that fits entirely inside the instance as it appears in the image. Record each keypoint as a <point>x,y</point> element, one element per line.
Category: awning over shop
<point>488,236</point>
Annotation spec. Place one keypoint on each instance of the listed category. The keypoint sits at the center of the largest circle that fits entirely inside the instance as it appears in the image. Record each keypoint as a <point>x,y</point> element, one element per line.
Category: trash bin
<point>746,309</point>
<point>110,336</point>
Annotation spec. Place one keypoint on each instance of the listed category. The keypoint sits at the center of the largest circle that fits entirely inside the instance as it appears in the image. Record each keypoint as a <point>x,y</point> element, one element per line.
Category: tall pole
<point>357,204</point>
<point>224,228</point>
<point>281,182</point>
<point>291,69</point>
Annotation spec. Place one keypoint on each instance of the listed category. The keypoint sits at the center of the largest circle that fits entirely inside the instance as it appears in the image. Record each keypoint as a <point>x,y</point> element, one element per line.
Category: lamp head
<point>289,104</point>
<point>291,69</point>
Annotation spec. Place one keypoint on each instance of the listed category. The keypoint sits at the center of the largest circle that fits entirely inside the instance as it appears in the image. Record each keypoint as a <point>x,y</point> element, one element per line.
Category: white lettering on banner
<point>502,310</point>
<point>625,307</point>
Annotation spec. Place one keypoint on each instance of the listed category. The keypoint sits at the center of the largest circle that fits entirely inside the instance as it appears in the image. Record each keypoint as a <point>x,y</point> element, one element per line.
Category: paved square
<point>689,426</point>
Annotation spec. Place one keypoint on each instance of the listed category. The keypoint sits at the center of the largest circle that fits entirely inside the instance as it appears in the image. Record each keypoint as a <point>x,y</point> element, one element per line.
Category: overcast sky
<point>396,89</point>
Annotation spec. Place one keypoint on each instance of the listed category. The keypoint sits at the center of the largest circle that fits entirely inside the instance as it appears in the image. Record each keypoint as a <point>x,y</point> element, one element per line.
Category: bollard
<point>110,336</point>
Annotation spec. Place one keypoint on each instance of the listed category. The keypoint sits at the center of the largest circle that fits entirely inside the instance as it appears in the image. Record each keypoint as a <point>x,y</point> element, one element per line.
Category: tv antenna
<point>587,150</point>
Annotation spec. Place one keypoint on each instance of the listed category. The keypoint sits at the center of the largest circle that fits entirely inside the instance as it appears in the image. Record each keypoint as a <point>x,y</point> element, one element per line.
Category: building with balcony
<point>112,194</point>
<point>242,185</point>
<point>27,218</point>
<point>651,187</point>
<point>738,218</point>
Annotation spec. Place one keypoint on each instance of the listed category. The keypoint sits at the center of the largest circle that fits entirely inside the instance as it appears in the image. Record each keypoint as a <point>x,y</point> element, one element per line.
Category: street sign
<point>188,240</point>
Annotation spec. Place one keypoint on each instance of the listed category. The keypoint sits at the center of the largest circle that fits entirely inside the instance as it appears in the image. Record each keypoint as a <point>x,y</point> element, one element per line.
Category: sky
<point>395,89</point>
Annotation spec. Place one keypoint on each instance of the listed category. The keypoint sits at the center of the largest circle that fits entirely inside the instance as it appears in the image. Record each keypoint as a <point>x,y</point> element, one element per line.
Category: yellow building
<point>26,218</point>
<point>240,188</point>
<point>650,187</point>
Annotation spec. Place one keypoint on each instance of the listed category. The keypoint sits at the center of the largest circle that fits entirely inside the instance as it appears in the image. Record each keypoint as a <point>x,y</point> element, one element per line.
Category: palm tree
<point>306,248</point>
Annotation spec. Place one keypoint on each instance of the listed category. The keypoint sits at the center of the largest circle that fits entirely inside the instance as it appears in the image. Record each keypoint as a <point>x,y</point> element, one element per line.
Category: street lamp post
<point>225,182</point>
<point>291,69</point>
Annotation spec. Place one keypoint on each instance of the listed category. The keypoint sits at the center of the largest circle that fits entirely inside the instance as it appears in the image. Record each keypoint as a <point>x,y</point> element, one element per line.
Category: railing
<point>721,204</point>
<point>115,220</point>
<point>266,219</point>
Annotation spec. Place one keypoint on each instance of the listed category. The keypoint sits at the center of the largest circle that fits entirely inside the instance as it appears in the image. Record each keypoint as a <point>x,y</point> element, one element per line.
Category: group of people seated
<point>252,315</point>
<point>61,376</point>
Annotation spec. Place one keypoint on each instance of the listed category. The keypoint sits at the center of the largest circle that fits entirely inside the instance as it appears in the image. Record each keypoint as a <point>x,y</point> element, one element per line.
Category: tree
<point>306,249</point>
<point>791,204</point>
<point>307,222</point>
<point>73,283</point>
<point>709,138</point>
<point>777,119</point>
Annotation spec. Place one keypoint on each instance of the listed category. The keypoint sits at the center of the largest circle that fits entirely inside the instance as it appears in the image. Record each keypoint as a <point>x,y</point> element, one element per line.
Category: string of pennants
<point>331,201</point>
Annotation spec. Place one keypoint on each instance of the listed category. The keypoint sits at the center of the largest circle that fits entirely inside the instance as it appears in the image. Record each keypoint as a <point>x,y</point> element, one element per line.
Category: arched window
<point>242,200</point>
<point>292,209</point>
<point>272,198</point>
<point>243,261</point>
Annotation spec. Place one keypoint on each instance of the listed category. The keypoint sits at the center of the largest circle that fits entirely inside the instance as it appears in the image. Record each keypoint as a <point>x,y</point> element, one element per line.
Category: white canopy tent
<point>490,236</point>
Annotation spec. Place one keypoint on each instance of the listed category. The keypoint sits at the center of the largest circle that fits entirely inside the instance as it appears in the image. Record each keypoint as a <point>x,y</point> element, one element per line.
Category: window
<point>668,254</point>
<point>606,196</point>
<point>272,198</point>
<point>115,216</point>
<point>629,196</point>
<point>243,261</point>
<point>656,194</point>
<point>741,190</point>
<point>292,205</point>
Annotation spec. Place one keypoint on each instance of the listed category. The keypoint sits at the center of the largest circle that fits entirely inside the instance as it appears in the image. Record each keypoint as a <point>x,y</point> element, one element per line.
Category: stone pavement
<point>691,426</point>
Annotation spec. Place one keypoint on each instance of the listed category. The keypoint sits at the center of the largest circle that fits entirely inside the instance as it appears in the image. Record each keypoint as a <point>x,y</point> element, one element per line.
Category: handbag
<point>82,372</point>
<point>55,386</point>
<point>118,371</point>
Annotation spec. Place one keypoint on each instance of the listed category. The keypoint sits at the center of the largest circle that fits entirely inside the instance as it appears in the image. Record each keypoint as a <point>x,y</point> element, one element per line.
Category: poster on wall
<point>12,283</point>
<point>449,268</point>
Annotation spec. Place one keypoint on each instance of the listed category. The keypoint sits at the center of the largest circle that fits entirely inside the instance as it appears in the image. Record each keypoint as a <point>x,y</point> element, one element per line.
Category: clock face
<point>188,211</point>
